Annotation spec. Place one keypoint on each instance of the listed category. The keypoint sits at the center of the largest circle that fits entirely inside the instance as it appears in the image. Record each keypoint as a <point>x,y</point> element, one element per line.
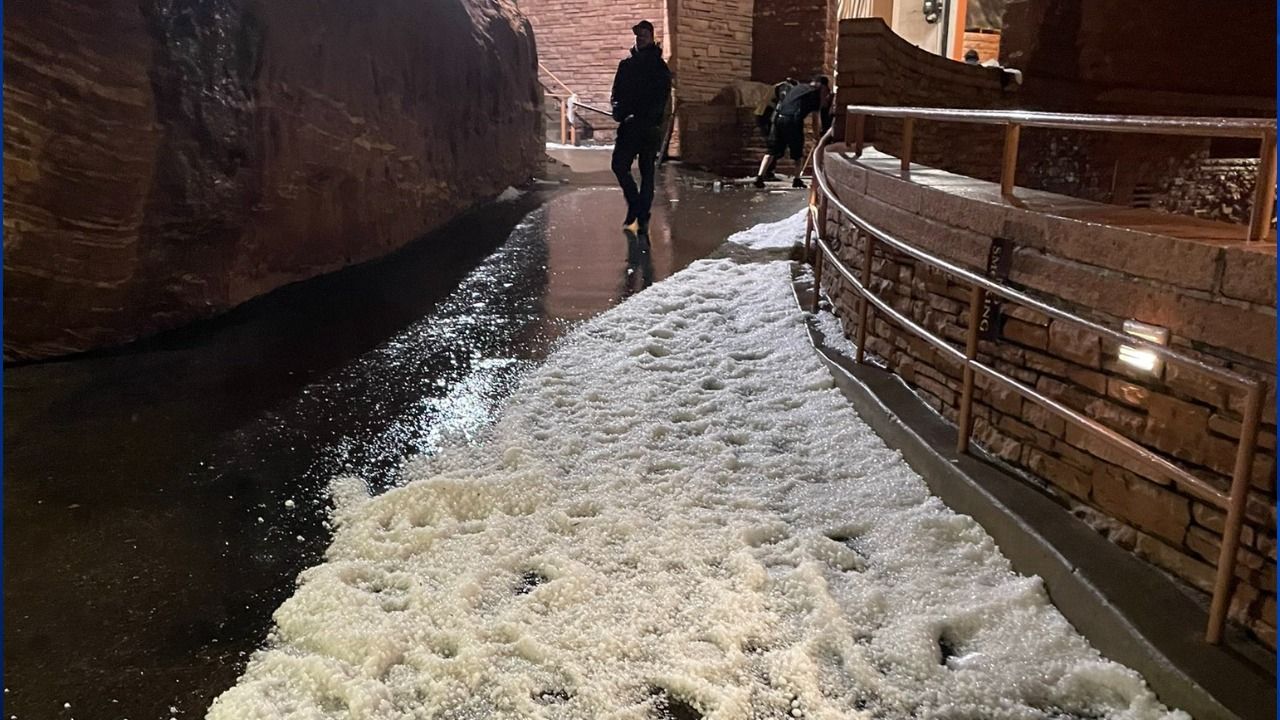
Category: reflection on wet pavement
<point>639,262</point>
<point>160,499</point>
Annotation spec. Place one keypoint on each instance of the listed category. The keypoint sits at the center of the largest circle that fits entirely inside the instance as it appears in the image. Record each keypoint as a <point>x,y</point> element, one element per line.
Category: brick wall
<point>710,44</point>
<point>877,67</point>
<point>713,47</point>
<point>792,38</point>
<point>582,41</point>
<point>1218,301</point>
<point>728,141</point>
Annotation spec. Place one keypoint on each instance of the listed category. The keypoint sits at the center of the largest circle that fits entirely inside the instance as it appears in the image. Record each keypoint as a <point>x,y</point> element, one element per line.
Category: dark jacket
<point>799,102</point>
<point>642,87</point>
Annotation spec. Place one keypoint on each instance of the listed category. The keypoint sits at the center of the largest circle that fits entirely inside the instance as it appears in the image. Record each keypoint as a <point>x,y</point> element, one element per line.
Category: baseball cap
<point>642,25</point>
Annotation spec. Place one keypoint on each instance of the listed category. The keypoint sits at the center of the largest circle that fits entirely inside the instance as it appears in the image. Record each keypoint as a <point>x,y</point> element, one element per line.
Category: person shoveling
<point>788,129</point>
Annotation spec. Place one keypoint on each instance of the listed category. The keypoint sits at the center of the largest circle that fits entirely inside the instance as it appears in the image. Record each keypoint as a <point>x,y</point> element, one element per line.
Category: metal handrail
<point>1233,501</point>
<point>1262,129</point>
<point>1146,124</point>
<point>568,128</point>
<point>557,80</point>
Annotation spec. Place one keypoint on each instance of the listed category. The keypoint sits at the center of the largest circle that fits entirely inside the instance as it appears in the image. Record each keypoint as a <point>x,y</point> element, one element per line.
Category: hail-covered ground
<point>678,515</point>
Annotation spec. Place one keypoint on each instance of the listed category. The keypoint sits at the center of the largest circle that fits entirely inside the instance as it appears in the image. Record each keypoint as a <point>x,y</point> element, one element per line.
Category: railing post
<point>1264,194</point>
<point>970,352</point>
<point>808,225</point>
<point>864,305</point>
<point>817,278</point>
<point>822,215</point>
<point>908,132</point>
<point>564,130</point>
<point>1235,516</point>
<point>1009,166</point>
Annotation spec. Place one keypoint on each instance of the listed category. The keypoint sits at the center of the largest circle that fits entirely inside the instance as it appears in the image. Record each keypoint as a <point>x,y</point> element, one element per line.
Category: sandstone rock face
<point>166,160</point>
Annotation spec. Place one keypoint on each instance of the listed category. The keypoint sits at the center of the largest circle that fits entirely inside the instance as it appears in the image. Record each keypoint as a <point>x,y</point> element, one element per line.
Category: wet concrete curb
<point>1128,610</point>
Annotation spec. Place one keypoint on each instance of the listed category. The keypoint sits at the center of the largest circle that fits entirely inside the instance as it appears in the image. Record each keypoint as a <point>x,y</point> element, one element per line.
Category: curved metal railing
<point>1262,129</point>
<point>1233,501</point>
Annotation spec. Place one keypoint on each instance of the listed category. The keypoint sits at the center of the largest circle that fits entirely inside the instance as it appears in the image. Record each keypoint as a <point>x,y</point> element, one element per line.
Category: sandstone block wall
<point>1080,55</point>
<point>793,37</point>
<point>1230,183</point>
<point>165,161</point>
<point>582,42</point>
<point>713,46</point>
<point>1217,299</point>
<point>876,67</point>
<point>727,141</point>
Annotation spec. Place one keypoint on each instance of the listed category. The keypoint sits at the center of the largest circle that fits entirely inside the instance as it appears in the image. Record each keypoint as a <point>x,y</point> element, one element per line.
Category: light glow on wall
<point>1141,358</point>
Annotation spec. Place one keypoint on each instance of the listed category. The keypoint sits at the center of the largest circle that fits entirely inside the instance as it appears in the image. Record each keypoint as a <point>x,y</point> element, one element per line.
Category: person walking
<point>788,129</point>
<point>641,90</point>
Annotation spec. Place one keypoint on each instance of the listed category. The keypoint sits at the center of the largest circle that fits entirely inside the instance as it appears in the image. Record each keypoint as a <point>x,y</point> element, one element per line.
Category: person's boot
<point>759,182</point>
<point>797,182</point>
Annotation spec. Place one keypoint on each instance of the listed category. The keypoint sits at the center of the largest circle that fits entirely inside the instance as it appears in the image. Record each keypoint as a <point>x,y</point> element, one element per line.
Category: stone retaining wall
<point>793,38</point>
<point>712,47</point>
<point>1217,299</point>
<point>877,67</point>
<point>725,140</point>
<point>1230,182</point>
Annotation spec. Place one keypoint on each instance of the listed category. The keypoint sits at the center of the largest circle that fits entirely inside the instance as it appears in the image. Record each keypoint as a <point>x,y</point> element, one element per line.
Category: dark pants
<point>788,135</point>
<point>643,141</point>
<point>639,264</point>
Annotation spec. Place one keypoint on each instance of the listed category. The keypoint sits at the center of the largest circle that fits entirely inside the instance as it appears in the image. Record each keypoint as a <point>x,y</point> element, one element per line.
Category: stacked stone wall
<point>713,47</point>
<point>1230,183</point>
<point>792,38</point>
<point>876,67</point>
<point>728,142</point>
<point>582,43</point>
<point>1217,299</point>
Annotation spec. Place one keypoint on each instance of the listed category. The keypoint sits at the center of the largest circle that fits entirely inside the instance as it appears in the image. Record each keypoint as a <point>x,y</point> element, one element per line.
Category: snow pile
<point>563,146</point>
<point>677,511</point>
<point>785,233</point>
<point>509,194</point>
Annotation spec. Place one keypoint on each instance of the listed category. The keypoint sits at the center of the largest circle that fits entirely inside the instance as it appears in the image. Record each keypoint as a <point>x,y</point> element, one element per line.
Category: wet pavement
<point>160,499</point>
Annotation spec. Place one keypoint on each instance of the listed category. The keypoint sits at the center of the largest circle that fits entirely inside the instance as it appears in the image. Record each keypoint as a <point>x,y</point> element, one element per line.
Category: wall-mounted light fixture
<point>1141,358</point>
<point>932,11</point>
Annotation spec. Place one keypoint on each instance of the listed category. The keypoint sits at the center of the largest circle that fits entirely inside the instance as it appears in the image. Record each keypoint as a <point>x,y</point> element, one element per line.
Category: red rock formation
<point>166,160</point>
